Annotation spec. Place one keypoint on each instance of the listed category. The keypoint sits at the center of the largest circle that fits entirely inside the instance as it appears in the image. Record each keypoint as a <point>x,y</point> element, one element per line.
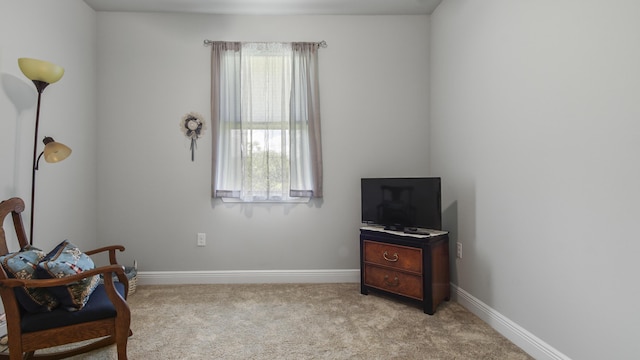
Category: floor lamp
<point>42,73</point>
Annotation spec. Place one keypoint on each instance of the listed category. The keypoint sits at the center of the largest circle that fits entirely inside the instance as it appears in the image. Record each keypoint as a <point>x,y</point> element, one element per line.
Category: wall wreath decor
<point>193,126</point>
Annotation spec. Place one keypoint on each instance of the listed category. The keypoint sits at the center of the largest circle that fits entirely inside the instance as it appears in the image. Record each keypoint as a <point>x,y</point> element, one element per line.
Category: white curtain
<point>306,149</point>
<point>226,119</point>
<point>266,121</point>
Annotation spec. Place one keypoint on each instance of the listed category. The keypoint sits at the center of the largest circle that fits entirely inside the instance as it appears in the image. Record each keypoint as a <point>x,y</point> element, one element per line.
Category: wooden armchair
<point>105,318</point>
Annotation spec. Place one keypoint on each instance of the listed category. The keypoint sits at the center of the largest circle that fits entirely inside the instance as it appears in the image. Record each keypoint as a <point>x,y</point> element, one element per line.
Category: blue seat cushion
<point>98,307</point>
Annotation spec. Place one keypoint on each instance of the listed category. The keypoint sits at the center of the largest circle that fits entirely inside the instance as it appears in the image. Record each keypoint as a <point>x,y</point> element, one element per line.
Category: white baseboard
<point>528,342</point>
<point>248,277</point>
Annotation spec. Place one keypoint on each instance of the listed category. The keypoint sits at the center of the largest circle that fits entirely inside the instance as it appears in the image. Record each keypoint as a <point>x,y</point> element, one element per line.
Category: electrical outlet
<point>202,239</point>
<point>459,250</point>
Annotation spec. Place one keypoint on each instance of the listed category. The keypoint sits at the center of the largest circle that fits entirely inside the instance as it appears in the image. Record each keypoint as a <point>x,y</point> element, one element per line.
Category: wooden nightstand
<point>408,266</point>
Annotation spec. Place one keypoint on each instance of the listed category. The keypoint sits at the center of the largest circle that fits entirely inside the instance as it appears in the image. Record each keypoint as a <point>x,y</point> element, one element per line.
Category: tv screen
<point>401,203</point>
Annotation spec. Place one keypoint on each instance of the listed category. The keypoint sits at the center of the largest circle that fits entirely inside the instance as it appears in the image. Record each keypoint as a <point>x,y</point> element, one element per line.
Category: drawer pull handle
<point>386,257</point>
<point>395,282</point>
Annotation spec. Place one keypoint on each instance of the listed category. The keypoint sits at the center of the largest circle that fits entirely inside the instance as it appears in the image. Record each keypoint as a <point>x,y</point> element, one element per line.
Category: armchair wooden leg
<point>121,345</point>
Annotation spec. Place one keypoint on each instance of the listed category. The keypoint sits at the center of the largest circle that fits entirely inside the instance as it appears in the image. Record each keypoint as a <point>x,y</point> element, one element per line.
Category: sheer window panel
<point>265,108</point>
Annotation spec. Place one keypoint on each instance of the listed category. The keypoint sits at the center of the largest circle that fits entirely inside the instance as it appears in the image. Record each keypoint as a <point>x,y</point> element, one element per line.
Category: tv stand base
<point>410,267</point>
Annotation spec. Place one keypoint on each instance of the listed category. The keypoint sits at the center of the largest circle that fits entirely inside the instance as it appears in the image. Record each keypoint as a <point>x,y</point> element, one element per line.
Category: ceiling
<point>271,7</point>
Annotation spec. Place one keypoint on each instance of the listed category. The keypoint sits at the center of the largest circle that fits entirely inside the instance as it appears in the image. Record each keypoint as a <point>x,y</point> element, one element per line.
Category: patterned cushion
<point>22,265</point>
<point>65,260</point>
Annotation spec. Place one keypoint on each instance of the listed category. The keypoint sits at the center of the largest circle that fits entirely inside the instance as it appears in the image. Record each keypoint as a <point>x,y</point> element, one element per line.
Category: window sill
<point>263,201</point>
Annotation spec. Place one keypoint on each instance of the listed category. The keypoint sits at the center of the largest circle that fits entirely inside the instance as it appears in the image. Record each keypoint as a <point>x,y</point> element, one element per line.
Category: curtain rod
<point>322,44</point>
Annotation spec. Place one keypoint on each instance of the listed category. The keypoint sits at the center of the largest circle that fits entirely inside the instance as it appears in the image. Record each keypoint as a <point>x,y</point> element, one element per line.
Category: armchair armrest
<point>112,252</point>
<point>44,283</point>
<point>107,271</point>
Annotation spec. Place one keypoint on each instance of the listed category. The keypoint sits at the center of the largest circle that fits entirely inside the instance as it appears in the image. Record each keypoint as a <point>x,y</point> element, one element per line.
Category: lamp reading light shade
<point>55,151</point>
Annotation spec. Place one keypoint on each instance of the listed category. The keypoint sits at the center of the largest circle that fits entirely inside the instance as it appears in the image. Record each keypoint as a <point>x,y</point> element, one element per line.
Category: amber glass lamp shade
<point>55,151</point>
<point>39,70</point>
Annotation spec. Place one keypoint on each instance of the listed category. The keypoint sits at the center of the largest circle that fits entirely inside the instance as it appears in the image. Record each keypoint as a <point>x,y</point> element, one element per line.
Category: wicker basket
<point>132,275</point>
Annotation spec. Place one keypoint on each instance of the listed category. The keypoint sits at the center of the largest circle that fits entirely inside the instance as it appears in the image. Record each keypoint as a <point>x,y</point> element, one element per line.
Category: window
<point>266,119</point>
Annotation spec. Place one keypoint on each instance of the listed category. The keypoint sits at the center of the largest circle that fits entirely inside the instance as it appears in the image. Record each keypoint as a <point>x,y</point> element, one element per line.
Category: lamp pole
<point>40,86</point>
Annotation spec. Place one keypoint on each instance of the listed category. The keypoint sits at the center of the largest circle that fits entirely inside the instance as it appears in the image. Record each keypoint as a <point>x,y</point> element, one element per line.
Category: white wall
<point>534,128</point>
<point>534,131</point>
<point>62,32</point>
<point>153,68</point>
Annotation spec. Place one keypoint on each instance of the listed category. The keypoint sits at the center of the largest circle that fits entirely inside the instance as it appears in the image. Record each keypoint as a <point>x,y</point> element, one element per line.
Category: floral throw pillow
<point>22,265</point>
<point>66,260</point>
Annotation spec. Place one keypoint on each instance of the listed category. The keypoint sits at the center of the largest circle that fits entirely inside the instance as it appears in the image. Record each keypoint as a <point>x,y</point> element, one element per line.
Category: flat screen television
<point>402,203</point>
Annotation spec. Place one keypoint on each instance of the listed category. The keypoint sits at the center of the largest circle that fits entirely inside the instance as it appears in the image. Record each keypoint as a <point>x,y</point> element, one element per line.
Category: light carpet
<point>299,321</point>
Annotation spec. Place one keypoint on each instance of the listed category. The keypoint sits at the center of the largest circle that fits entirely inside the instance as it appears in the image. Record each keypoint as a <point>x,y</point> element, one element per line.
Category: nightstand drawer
<point>396,256</point>
<point>393,281</point>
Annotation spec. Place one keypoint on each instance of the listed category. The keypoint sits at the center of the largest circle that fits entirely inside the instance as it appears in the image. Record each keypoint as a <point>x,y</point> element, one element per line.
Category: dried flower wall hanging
<point>193,126</point>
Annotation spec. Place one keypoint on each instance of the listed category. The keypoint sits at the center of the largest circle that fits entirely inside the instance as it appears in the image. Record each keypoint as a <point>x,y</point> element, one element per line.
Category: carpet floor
<point>299,321</point>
